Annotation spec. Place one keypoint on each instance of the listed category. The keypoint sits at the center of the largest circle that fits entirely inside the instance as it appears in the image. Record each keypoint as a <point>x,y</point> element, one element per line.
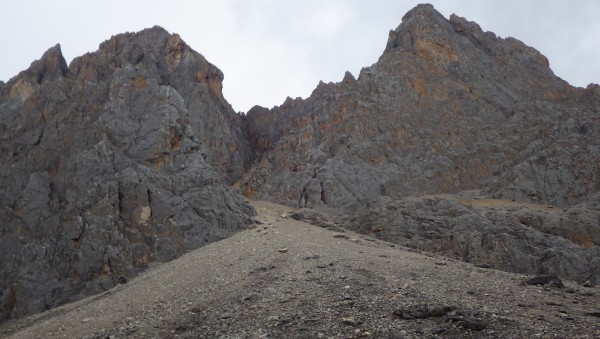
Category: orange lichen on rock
<point>140,82</point>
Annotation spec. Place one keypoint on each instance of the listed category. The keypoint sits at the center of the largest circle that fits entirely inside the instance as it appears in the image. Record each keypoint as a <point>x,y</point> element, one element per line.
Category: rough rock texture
<point>501,234</point>
<point>107,165</point>
<point>287,279</point>
<point>447,108</point>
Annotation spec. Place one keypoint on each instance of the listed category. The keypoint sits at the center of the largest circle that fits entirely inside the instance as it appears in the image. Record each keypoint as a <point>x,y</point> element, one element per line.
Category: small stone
<point>351,321</point>
<point>441,330</point>
<point>474,324</point>
<point>588,283</point>
<point>283,250</point>
<point>525,305</point>
<point>86,320</point>
<point>542,280</point>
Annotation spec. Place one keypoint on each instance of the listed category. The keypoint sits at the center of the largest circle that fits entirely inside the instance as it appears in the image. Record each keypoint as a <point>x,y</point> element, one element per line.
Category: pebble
<point>588,283</point>
<point>351,321</point>
<point>283,250</point>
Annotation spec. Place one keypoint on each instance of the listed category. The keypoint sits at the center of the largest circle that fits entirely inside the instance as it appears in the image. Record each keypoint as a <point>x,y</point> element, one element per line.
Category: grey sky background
<point>271,49</point>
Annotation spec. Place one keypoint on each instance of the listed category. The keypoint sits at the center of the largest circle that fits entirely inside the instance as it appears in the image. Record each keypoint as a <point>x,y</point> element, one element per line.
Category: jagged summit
<point>50,66</point>
<point>422,21</point>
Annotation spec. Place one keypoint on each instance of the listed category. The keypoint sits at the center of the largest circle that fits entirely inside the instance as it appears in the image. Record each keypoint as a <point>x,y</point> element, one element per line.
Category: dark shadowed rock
<point>550,280</point>
<point>120,160</point>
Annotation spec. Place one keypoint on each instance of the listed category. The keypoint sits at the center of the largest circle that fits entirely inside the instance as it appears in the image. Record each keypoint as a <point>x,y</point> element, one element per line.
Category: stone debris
<point>240,287</point>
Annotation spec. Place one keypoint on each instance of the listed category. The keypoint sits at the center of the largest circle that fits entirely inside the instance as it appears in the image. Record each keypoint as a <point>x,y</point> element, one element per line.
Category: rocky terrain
<point>287,279</point>
<point>455,142</point>
<point>117,161</point>
<point>447,109</point>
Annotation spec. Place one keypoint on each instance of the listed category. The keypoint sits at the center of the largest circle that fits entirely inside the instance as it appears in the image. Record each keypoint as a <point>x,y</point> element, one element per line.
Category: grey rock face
<point>506,235</point>
<point>120,160</point>
<point>446,108</point>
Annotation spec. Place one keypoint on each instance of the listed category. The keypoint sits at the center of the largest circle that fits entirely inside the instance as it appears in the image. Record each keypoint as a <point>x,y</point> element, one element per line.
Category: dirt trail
<point>285,278</point>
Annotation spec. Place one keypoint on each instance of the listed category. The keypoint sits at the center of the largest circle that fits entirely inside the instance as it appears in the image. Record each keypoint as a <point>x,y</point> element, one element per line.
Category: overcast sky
<point>271,49</point>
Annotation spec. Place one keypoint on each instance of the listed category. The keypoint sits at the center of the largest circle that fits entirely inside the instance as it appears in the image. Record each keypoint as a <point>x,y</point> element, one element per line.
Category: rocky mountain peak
<point>422,22</point>
<point>152,50</point>
<point>348,78</point>
<point>51,66</point>
<point>448,114</point>
<point>423,13</point>
<point>121,160</point>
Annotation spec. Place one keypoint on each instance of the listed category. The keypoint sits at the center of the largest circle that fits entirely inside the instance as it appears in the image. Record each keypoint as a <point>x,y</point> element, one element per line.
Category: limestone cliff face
<point>446,108</point>
<point>121,159</point>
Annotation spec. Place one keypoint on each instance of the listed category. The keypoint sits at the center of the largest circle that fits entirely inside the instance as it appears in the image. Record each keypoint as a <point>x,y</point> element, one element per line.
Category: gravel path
<point>285,278</point>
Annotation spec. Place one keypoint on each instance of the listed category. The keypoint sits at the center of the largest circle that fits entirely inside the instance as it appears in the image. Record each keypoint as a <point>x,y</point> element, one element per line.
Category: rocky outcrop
<point>502,234</point>
<point>117,161</point>
<point>446,108</point>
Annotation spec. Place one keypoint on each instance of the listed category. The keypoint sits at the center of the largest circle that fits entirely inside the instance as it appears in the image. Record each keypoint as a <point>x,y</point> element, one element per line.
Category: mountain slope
<point>447,108</point>
<point>107,165</point>
<point>289,279</point>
